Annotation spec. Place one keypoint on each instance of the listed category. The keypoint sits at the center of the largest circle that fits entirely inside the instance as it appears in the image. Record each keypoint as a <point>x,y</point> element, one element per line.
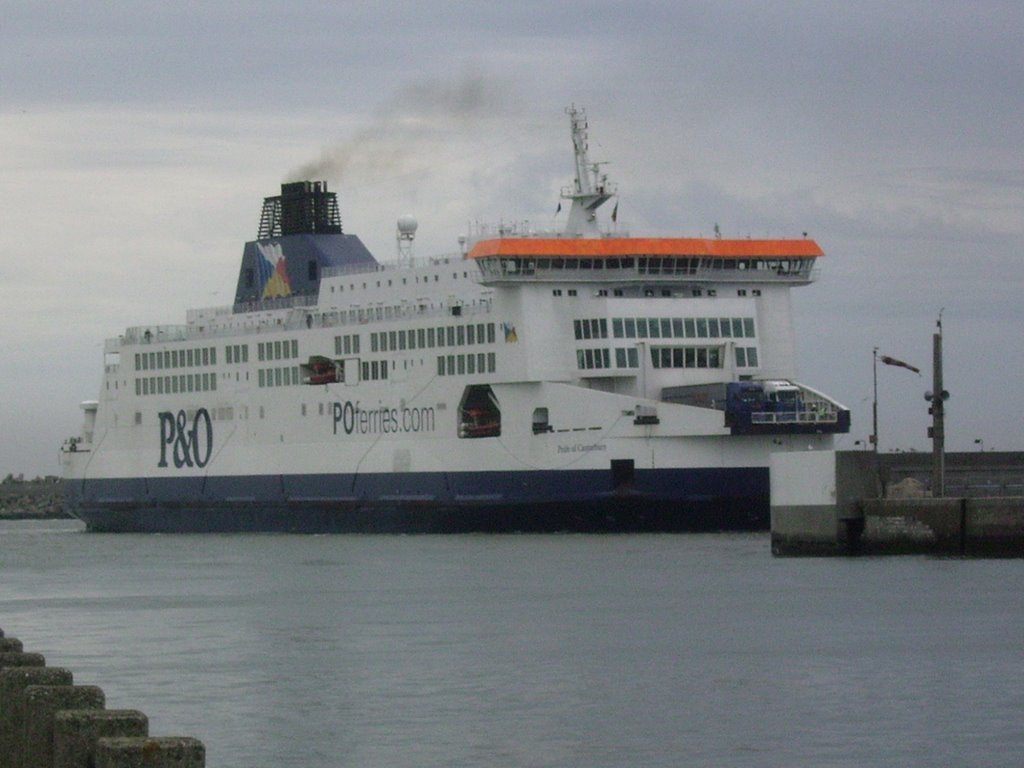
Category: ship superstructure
<point>578,381</point>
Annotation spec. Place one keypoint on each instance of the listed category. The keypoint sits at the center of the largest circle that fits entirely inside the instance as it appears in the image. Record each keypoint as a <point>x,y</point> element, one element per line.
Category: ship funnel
<point>303,207</point>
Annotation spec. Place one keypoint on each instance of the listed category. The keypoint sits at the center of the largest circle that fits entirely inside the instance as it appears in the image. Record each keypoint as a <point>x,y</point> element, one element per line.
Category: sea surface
<point>521,650</point>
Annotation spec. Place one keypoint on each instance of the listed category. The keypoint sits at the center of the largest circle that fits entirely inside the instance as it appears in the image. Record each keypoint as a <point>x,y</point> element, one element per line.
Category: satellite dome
<point>407,225</point>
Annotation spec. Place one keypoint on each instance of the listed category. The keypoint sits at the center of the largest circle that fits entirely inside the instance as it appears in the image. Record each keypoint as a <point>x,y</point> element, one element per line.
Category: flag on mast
<point>893,361</point>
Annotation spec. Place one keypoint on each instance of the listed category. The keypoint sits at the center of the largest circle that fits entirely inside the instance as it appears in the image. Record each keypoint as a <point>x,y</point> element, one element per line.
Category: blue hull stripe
<point>584,500</point>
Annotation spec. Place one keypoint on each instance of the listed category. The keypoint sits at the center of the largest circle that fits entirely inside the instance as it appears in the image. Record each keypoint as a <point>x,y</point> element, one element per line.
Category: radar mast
<point>591,188</point>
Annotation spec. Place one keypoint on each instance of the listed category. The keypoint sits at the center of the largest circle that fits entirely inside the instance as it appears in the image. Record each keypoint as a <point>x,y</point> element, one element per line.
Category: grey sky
<point>140,138</point>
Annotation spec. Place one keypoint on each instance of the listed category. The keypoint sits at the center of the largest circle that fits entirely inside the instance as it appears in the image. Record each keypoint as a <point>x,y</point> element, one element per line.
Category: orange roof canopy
<point>645,246</point>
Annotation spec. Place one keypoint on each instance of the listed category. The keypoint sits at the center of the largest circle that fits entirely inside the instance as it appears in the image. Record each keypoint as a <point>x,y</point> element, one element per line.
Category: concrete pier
<point>47,722</point>
<point>839,509</point>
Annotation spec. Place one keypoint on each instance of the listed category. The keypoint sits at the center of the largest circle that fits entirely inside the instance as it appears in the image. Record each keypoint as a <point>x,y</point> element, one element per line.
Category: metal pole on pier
<point>874,421</point>
<point>937,432</point>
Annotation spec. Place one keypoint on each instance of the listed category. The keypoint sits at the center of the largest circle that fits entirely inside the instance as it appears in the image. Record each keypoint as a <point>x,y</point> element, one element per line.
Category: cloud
<point>140,143</point>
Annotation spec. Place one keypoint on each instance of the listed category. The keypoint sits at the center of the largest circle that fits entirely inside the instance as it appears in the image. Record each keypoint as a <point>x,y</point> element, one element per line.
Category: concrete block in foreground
<point>13,683</point>
<point>160,752</point>
<point>76,731</point>
<point>42,703</point>
<point>18,659</point>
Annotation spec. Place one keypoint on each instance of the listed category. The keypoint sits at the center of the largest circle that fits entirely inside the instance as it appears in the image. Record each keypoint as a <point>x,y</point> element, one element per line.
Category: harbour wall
<point>884,505</point>
<point>47,721</point>
<point>36,499</point>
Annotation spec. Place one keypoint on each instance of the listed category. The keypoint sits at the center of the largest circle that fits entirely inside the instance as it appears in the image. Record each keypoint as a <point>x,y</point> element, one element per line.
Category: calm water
<point>592,651</point>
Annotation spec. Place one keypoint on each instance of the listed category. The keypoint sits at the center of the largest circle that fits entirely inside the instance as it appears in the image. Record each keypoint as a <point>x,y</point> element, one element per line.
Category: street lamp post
<point>874,438</point>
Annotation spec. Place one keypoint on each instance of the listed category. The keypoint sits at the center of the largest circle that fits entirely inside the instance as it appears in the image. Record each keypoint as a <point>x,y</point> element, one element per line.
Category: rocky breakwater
<point>37,499</point>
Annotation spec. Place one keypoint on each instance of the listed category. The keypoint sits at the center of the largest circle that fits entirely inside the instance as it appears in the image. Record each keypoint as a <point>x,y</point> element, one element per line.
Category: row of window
<point>686,357</point>
<point>627,357</point>
<point>682,328</point>
<point>175,358</point>
<point>644,265</point>
<point>374,370</point>
<point>347,344</point>
<point>700,357</point>
<point>664,357</point>
<point>278,350</point>
<point>664,292</point>
<point>746,357</point>
<point>428,338</point>
<point>665,328</point>
<point>461,365</point>
<point>371,370</point>
<point>173,385</point>
<point>596,328</point>
<point>237,353</point>
<point>593,358</point>
<point>279,377</point>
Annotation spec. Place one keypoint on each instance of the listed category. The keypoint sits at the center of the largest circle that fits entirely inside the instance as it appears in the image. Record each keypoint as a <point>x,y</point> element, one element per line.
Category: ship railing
<point>261,305</point>
<point>525,230</point>
<point>813,408</point>
<point>802,416</point>
<point>364,316</point>
<point>150,334</point>
<point>296,319</point>
<point>416,262</point>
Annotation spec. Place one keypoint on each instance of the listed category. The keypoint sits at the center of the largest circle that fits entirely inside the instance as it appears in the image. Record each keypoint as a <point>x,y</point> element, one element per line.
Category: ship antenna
<point>591,188</point>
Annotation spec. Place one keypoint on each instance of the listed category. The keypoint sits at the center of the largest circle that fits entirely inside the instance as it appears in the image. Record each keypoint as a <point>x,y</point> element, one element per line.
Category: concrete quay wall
<point>960,527</point>
<point>46,721</point>
<point>828,503</point>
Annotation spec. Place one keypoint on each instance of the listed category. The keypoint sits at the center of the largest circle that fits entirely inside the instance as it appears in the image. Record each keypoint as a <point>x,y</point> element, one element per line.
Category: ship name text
<point>582,448</point>
<point>190,443</point>
<point>381,420</point>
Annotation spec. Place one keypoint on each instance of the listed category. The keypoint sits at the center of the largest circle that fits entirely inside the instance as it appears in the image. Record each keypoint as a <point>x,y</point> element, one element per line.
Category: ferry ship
<point>583,380</point>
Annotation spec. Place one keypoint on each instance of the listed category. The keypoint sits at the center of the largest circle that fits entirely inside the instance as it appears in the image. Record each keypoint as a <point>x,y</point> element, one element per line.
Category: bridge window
<point>686,357</point>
